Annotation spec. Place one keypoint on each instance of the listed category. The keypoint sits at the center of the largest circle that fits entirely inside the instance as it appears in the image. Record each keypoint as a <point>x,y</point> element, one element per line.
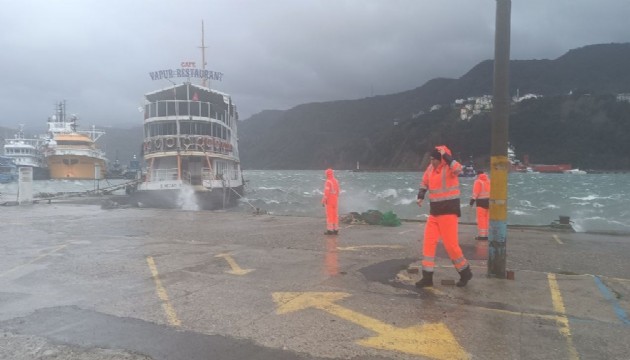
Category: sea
<point>593,202</point>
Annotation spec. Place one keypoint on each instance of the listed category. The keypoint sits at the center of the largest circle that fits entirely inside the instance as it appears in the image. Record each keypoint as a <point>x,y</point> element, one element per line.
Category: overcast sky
<point>274,54</point>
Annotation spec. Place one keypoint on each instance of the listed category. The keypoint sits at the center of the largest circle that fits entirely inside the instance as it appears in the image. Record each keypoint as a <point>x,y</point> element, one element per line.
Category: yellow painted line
<point>517,313</point>
<point>34,260</point>
<point>431,340</point>
<point>561,319</point>
<point>555,237</point>
<point>434,291</point>
<point>359,247</point>
<point>171,316</point>
<point>349,226</point>
<point>235,269</point>
<point>406,231</point>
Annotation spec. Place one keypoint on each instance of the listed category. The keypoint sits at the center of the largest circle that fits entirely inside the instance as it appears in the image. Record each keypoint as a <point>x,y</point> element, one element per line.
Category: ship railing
<point>164,174</point>
<point>207,174</point>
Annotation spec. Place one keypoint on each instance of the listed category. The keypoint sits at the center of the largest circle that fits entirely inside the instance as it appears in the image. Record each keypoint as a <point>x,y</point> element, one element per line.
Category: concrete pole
<point>499,164</point>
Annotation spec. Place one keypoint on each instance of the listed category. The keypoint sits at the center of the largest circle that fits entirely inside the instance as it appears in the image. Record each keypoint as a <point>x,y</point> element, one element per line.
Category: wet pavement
<point>81,282</point>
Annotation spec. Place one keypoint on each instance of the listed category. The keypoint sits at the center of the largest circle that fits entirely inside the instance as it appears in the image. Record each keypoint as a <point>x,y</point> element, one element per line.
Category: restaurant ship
<point>72,154</point>
<point>190,144</point>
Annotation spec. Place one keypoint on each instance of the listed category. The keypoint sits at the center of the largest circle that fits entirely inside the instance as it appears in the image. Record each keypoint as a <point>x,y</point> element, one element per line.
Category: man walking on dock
<point>441,181</point>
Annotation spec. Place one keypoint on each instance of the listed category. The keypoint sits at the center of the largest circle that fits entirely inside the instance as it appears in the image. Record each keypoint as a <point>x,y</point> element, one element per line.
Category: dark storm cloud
<point>274,54</point>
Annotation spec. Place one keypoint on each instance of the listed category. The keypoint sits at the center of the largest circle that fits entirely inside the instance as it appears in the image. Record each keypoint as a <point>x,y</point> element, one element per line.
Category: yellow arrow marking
<point>555,237</point>
<point>359,247</point>
<point>34,260</point>
<point>236,270</point>
<point>432,340</point>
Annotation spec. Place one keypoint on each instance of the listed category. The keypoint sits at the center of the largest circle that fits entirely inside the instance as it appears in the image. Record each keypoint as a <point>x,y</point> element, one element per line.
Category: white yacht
<point>26,152</point>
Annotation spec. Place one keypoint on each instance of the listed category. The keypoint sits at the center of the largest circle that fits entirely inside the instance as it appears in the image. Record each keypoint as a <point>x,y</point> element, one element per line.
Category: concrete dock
<point>81,282</point>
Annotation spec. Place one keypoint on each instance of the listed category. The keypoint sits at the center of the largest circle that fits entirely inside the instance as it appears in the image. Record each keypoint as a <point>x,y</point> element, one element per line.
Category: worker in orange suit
<point>330,201</point>
<point>440,181</point>
<point>481,196</point>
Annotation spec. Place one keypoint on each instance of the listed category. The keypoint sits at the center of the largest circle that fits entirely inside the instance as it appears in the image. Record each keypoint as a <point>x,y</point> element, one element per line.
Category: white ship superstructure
<point>26,152</point>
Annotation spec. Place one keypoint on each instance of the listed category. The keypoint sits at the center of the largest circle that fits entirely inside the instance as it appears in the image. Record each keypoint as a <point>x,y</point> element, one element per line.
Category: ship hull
<point>552,169</point>
<point>207,199</point>
<point>75,167</point>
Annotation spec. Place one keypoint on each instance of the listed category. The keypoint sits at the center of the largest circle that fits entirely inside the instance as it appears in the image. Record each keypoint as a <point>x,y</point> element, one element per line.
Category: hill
<point>395,131</point>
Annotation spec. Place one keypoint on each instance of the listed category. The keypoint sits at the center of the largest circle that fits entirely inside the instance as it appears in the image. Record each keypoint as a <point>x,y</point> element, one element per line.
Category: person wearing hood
<point>329,200</point>
<point>440,181</point>
<point>481,196</point>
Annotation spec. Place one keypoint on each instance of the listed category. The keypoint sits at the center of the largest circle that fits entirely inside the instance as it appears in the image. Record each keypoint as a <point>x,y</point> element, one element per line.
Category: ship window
<point>195,108</point>
<point>161,109</point>
<point>205,109</point>
<point>70,142</point>
<point>170,108</point>
<point>183,107</point>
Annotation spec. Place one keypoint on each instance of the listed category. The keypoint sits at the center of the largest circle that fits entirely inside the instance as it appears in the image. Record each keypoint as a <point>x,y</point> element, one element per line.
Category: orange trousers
<point>444,227</point>
<point>332,215</point>
<point>483,221</point>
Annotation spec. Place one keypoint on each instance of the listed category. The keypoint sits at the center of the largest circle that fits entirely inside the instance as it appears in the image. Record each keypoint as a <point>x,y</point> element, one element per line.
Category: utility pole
<point>499,163</point>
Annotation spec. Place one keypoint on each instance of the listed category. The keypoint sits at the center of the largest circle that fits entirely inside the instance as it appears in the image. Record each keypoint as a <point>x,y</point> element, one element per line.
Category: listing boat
<point>8,170</point>
<point>72,154</point>
<point>190,144</point>
<point>551,168</point>
<point>26,152</point>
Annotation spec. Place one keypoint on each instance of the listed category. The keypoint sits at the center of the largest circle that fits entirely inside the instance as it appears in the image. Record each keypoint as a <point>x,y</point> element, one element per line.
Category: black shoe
<point>329,232</point>
<point>464,276</point>
<point>482,238</point>
<point>426,281</point>
<point>335,232</point>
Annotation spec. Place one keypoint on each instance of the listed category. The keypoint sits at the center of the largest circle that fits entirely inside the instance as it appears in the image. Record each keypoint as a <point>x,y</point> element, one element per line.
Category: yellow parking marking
<point>163,295</point>
<point>359,247</point>
<point>431,340</point>
<point>561,319</point>
<point>34,260</point>
<point>236,270</point>
<point>555,237</point>
<point>406,231</point>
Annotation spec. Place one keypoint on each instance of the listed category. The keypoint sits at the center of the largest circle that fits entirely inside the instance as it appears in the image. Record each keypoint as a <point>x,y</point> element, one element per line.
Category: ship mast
<point>203,56</point>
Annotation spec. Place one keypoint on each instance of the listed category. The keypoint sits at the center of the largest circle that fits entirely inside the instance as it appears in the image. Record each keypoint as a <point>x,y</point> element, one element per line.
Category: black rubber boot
<point>329,232</point>
<point>335,232</point>
<point>482,238</point>
<point>427,279</point>
<point>464,276</point>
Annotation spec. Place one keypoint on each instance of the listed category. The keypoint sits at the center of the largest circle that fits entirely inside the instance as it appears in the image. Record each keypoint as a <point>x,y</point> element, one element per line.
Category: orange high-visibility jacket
<point>331,188</point>
<point>481,191</point>
<point>442,184</point>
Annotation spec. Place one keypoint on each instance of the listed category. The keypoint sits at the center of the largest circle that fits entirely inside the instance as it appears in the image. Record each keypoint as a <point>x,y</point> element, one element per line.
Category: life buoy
<point>158,143</point>
<point>200,141</point>
<point>170,142</point>
<point>186,141</point>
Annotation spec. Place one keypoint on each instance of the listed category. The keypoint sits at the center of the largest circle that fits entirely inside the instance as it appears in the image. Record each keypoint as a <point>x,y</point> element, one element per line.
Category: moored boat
<point>72,154</point>
<point>190,145</point>
<point>8,170</point>
<point>26,152</point>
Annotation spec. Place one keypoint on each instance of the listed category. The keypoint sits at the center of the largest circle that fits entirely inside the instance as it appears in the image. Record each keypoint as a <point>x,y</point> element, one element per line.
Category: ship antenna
<point>203,57</point>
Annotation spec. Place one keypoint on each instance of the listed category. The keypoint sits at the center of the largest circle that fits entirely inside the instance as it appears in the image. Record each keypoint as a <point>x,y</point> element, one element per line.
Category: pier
<point>80,281</point>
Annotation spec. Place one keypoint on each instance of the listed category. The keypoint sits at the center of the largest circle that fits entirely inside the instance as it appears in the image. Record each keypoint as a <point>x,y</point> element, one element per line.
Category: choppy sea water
<point>594,202</point>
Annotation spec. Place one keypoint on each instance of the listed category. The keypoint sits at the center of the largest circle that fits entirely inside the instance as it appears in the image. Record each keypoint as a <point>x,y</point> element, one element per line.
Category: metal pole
<point>499,164</point>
